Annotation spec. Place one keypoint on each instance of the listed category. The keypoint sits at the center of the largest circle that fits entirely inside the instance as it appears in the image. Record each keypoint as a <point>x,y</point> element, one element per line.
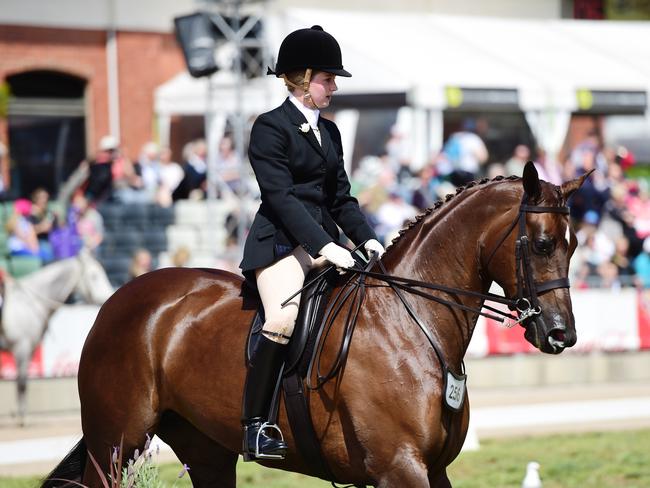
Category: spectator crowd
<point>610,213</point>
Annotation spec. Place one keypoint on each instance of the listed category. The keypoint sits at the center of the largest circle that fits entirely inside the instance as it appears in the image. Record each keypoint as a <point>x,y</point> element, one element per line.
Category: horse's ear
<point>570,187</point>
<point>531,181</point>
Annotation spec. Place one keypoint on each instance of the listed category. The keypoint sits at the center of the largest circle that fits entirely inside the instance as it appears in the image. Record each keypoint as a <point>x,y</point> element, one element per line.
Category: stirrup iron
<point>260,455</point>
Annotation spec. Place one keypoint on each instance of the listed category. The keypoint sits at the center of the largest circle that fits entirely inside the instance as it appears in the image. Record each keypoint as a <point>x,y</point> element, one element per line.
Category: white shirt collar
<point>310,114</point>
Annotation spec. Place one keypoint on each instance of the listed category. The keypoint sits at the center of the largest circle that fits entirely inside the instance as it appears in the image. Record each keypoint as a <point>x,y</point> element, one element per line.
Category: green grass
<point>594,460</point>
<point>598,460</point>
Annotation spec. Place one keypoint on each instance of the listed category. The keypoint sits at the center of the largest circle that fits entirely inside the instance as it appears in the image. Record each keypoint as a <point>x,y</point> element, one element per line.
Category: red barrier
<point>644,319</point>
<point>8,365</point>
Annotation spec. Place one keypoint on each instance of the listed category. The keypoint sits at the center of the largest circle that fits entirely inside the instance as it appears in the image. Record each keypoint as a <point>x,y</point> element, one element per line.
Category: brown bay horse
<point>166,353</point>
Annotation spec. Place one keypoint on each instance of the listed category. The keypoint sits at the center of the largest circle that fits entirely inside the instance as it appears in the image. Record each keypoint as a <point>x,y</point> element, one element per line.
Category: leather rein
<point>526,303</point>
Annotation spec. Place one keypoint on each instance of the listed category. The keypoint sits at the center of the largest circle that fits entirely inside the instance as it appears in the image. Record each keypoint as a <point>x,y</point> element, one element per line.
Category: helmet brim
<point>334,71</point>
<point>337,72</point>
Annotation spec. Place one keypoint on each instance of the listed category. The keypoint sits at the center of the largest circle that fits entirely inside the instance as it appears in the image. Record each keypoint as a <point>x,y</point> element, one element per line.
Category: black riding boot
<point>261,378</point>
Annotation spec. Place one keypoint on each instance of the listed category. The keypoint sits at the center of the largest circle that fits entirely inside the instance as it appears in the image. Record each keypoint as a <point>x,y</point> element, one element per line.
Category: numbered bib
<point>455,390</point>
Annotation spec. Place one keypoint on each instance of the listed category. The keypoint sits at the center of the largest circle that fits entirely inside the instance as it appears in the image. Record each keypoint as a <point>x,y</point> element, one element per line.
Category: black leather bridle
<point>528,291</point>
<point>526,302</point>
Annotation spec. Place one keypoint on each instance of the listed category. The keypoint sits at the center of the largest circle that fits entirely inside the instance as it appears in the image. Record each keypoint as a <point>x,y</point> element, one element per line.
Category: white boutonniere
<point>304,128</point>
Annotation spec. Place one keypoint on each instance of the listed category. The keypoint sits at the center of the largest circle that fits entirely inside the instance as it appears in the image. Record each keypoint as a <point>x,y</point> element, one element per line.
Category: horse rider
<point>297,158</point>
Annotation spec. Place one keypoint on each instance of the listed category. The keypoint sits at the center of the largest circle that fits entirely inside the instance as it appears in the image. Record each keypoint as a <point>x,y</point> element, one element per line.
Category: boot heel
<point>248,457</point>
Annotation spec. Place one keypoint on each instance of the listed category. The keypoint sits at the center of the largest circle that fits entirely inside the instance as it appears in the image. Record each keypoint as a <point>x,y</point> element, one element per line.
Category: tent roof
<point>421,55</point>
<point>186,95</point>
<point>545,60</point>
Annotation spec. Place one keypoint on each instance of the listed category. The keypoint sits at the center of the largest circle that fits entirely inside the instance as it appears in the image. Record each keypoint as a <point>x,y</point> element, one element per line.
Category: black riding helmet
<point>309,48</point>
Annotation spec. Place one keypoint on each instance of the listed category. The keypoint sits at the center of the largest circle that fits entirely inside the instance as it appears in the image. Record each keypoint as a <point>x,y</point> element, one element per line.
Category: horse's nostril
<point>558,335</point>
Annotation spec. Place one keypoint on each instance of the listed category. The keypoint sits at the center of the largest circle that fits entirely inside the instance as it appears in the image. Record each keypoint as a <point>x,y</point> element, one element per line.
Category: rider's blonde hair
<point>299,79</point>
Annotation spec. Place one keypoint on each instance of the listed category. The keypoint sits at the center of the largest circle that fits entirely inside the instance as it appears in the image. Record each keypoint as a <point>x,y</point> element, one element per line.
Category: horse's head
<point>93,284</point>
<point>531,248</point>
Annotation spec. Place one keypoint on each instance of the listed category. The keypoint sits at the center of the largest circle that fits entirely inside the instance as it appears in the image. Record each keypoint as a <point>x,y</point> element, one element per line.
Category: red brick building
<point>56,87</point>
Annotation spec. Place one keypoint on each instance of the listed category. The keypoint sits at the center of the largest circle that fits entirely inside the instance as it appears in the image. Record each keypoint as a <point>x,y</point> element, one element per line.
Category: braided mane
<point>439,203</point>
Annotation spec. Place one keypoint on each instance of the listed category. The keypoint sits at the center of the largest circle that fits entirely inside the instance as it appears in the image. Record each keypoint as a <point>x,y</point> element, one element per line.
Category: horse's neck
<point>53,284</point>
<point>444,248</point>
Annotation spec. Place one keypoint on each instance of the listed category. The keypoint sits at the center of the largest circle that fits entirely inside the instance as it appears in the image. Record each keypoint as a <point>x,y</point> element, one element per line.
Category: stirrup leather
<point>258,454</point>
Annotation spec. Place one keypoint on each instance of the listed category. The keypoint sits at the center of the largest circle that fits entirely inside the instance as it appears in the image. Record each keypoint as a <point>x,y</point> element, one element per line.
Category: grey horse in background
<point>30,301</point>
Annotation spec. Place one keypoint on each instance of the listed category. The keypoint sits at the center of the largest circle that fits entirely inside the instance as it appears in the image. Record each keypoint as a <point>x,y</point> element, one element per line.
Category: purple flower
<point>148,443</point>
<point>185,469</point>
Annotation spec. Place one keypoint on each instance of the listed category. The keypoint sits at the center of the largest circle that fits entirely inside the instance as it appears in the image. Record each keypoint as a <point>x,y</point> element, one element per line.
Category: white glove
<point>373,245</point>
<point>337,255</point>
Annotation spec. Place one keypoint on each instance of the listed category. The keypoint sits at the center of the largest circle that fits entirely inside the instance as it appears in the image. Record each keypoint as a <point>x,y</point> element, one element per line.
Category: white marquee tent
<point>547,64</point>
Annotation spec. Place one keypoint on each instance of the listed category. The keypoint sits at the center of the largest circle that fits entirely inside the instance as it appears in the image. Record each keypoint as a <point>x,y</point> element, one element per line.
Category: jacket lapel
<point>297,119</point>
<point>325,137</point>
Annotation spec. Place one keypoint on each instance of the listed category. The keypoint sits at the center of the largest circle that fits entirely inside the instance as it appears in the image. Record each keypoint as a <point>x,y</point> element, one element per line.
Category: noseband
<point>527,302</point>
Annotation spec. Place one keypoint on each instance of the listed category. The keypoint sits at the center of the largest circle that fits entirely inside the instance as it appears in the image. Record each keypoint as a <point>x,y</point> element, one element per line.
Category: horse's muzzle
<point>551,340</point>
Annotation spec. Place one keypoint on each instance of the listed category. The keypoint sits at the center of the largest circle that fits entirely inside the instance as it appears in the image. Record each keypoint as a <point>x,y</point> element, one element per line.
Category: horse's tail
<point>70,469</point>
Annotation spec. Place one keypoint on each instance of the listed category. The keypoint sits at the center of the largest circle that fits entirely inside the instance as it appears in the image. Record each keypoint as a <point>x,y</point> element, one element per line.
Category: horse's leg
<point>22,355</point>
<point>211,465</point>
<point>103,442</point>
<point>109,416</point>
<point>405,469</point>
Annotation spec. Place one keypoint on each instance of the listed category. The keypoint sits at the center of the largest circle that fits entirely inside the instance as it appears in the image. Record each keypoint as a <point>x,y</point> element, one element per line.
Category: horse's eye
<point>543,245</point>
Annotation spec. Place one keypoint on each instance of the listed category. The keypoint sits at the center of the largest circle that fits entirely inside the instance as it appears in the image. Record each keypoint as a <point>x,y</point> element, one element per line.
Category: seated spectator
<point>609,277</point>
<point>597,247</point>
<point>84,227</point>
<point>181,257</point>
<point>44,221</point>
<point>496,169</point>
<point>465,152</point>
<point>424,193</point>
<point>22,240</point>
<point>548,167</point>
<point>106,167</point>
<point>89,222</point>
<point>617,209</point>
<point>623,263</point>
<point>141,263</point>
<point>391,216</point>
<point>642,264</point>
<point>169,177</point>
<point>639,207</point>
<point>625,158</point>
<point>228,165</point>
<point>195,171</point>
<point>137,182</point>
<point>520,156</point>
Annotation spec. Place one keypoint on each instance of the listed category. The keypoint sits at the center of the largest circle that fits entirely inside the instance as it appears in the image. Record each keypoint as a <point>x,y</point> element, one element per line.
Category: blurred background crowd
<point>610,213</point>
<point>145,163</point>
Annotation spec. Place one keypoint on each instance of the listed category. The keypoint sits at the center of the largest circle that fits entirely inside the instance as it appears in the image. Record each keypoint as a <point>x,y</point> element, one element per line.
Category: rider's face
<point>321,89</point>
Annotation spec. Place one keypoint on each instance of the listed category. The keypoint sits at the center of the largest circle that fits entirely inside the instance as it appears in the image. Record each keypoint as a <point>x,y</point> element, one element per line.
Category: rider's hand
<point>374,246</point>
<point>337,255</point>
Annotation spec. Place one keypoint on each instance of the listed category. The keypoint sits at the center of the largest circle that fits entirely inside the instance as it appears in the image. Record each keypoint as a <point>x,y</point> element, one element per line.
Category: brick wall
<point>145,60</point>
